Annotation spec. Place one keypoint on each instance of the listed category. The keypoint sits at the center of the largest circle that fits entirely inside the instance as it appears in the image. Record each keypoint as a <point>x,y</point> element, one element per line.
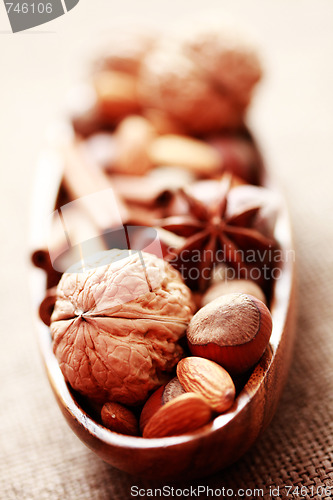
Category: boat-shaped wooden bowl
<point>219,443</point>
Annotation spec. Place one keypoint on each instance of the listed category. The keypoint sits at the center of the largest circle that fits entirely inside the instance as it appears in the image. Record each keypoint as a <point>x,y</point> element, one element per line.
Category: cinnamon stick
<point>92,190</point>
<point>47,305</point>
<point>72,236</point>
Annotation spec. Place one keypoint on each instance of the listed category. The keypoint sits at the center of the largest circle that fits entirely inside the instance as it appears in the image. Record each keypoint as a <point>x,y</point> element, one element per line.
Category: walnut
<point>227,58</point>
<point>203,77</point>
<point>116,325</point>
<point>171,82</point>
<point>124,50</point>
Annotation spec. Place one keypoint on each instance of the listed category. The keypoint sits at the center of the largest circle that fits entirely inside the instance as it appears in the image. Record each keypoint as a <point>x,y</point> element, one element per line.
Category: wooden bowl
<point>219,443</point>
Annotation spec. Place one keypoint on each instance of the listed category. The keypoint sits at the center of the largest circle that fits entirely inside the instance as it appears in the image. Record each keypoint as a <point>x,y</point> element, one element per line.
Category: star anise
<point>213,236</point>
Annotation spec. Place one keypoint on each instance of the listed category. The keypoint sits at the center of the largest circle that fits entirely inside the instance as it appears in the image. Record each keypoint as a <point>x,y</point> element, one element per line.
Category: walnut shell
<point>116,325</point>
<point>228,58</point>
<point>124,49</point>
<point>171,82</point>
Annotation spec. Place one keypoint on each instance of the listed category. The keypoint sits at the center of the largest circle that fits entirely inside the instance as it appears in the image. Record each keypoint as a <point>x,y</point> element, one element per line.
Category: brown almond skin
<point>234,347</point>
<point>118,418</point>
<point>208,379</point>
<point>184,414</point>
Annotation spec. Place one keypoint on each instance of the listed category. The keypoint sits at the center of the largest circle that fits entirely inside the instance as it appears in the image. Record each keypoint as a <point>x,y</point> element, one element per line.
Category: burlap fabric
<point>41,459</point>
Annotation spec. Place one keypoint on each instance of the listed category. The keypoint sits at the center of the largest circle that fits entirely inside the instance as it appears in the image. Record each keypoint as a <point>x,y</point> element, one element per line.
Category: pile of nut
<point>158,350</point>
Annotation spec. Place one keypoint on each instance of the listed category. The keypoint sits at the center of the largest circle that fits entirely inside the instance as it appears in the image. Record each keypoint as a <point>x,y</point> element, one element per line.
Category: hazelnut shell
<point>118,418</point>
<point>233,286</point>
<point>159,398</point>
<point>232,330</point>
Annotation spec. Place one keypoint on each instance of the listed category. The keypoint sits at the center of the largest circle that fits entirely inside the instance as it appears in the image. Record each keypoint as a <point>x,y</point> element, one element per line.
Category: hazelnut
<point>238,156</point>
<point>232,330</point>
<point>118,418</point>
<point>172,390</point>
<point>233,286</point>
<point>160,397</point>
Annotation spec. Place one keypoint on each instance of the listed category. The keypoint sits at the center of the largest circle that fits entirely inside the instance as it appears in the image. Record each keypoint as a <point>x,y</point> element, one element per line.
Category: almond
<point>208,379</point>
<point>182,151</point>
<point>181,415</point>
<point>133,137</point>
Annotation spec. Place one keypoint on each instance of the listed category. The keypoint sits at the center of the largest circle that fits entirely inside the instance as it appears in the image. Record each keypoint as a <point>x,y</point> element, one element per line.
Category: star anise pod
<point>213,236</point>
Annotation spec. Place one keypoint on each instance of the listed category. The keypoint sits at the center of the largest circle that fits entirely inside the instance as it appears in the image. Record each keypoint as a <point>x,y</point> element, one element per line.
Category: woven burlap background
<point>41,459</point>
